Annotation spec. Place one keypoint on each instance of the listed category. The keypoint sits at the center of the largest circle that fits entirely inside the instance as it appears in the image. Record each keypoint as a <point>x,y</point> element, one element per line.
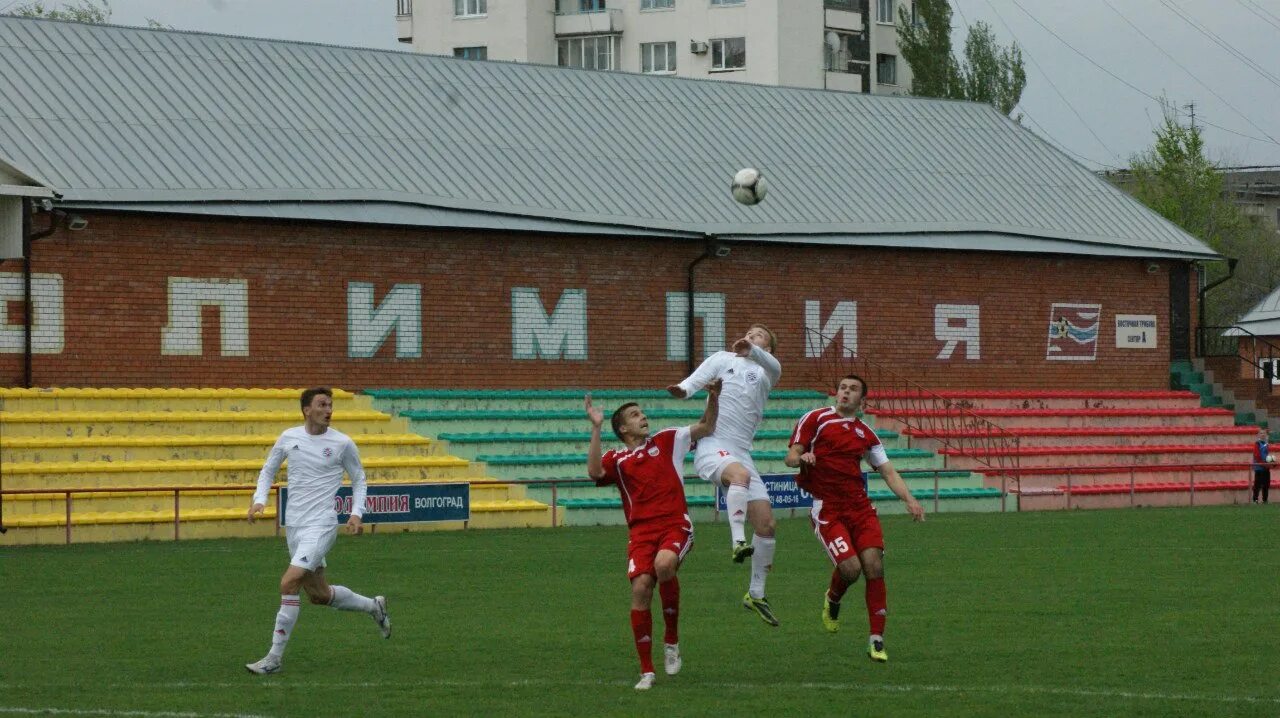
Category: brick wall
<point>118,297</point>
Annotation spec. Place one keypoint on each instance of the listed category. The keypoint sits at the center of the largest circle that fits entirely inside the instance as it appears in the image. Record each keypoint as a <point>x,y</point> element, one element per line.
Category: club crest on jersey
<point>858,430</point>
<point>753,376</point>
<point>328,452</point>
<point>653,451</point>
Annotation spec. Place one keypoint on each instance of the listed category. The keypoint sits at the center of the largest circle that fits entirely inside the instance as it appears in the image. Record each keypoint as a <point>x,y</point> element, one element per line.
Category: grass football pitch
<point>1104,613</point>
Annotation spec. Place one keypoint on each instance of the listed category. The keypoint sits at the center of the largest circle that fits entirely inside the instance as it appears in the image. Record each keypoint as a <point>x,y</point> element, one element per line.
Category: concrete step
<point>161,448</point>
<point>1112,456</point>
<point>1096,436</point>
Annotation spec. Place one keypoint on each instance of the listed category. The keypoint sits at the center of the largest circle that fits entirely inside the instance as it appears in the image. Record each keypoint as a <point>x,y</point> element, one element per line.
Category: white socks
<point>761,563</point>
<point>344,599</point>
<point>287,616</point>
<point>735,503</point>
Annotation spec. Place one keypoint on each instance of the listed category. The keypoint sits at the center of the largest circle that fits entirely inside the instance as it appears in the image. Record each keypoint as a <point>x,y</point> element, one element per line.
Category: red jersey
<point>650,477</point>
<point>838,444</point>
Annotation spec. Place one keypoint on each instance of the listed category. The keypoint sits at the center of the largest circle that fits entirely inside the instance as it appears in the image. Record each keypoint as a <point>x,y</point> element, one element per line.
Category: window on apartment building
<point>846,5</point>
<point>658,57</point>
<point>728,2</point>
<point>571,7</point>
<point>593,52</point>
<point>466,8</point>
<point>729,53</point>
<point>887,69</point>
<point>471,53</point>
<point>838,51</point>
<point>404,7</point>
<point>884,11</point>
<point>657,4</point>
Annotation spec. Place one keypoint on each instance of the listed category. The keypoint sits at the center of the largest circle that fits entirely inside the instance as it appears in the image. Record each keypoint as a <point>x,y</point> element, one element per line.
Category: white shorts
<point>711,458</point>
<point>309,544</point>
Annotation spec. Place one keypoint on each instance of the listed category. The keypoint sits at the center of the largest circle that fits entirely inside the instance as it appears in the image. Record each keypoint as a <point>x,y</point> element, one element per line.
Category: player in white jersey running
<point>317,455</point>
<point>748,373</point>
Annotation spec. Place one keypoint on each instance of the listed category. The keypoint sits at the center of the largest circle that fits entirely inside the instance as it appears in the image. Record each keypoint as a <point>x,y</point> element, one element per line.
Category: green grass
<point>1105,613</point>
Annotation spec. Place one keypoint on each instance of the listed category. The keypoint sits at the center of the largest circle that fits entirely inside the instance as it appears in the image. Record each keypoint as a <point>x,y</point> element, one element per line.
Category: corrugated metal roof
<point>123,115</point>
<point>1264,318</point>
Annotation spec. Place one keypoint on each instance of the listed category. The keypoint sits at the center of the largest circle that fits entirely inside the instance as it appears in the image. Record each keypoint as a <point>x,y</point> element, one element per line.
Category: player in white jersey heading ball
<point>748,373</point>
<point>317,456</point>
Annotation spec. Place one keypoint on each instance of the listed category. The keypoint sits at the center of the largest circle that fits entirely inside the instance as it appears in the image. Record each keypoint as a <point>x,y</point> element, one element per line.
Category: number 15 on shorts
<point>838,546</point>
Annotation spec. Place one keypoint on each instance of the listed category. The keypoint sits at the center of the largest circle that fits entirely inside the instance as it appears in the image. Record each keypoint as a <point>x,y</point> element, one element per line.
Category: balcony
<point>844,81</point>
<point>602,22</point>
<point>404,20</point>
<point>843,20</point>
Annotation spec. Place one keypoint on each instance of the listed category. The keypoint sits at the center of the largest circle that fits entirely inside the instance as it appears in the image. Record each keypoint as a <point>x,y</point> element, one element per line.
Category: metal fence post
<point>935,491</point>
<point>176,494</point>
<point>554,496</point>
<point>1193,485</point>
<point>68,498</point>
<point>1132,487</point>
<point>1068,488</point>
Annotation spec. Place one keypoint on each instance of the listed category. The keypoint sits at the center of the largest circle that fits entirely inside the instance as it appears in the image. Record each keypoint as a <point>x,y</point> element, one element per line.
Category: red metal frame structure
<point>894,396</point>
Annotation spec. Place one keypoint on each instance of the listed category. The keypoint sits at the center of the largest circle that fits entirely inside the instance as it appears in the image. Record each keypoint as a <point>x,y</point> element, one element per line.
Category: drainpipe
<point>28,237</point>
<point>707,253</point>
<point>1231,272</point>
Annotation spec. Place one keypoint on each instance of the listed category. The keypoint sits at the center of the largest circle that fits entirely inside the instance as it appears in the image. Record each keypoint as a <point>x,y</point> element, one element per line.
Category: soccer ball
<point>749,186</point>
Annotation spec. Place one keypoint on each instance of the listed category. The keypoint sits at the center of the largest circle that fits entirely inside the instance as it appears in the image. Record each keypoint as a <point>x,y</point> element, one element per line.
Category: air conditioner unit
<point>698,48</point>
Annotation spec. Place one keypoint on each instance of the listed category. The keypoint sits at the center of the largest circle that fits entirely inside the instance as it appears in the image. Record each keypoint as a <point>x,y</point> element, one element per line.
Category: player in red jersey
<point>828,446</point>
<point>649,475</point>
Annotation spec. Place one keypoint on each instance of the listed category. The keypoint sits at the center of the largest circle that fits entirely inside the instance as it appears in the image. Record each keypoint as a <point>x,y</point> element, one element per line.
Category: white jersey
<point>746,385</point>
<point>316,464</point>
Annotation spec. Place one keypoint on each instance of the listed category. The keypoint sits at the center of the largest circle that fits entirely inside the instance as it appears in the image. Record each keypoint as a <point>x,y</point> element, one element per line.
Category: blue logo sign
<point>783,493</point>
<point>401,503</point>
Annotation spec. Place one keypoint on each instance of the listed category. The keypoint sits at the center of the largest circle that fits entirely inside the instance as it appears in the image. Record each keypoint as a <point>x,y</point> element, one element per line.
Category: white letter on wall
<point>368,328</point>
<point>953,334</point>
<point>534,335</point>
<point>47,335</point>
<point>709,306</point>
<point>182,336</point>
<point>818,336</point>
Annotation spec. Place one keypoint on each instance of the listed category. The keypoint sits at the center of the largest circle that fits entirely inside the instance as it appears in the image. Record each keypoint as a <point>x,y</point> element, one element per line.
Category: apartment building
<point>848,45</point>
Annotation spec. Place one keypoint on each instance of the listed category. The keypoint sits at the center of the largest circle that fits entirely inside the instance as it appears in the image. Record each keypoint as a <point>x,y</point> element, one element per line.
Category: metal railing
<point>1070,488</point>
<point>404,7</point>
<point>1259,354</point>
<point>922,412</point>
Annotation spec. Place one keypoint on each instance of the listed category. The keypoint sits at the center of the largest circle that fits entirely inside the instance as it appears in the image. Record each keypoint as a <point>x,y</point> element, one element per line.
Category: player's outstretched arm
<point>899,489</point>
<point>703,375</point>
<point>767,361</point>
<point>595,469</point>
<point>796,456</point>
<point>706,426</point>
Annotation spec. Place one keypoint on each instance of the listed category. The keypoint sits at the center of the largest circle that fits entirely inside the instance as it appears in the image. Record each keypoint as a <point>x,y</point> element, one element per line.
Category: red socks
<point>670,592</point>
<point>642,628</point>
<point>877,605</point>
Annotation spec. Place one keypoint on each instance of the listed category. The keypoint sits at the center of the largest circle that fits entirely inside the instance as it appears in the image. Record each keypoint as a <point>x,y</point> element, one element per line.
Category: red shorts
<point>650,538</point>
<point>846,533</point>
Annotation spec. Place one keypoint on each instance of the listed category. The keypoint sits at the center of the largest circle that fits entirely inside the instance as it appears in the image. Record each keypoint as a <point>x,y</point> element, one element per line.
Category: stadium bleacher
<point>150,440</point>
<point>534,436</point>
<point>1096,449</point>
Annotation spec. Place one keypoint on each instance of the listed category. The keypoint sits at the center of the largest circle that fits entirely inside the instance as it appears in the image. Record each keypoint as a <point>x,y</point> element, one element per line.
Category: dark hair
<point>616,421</point>
<point>861,381</point>
<point>310,394</point>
